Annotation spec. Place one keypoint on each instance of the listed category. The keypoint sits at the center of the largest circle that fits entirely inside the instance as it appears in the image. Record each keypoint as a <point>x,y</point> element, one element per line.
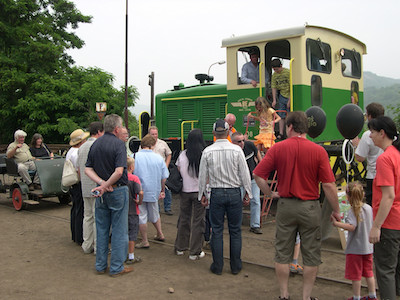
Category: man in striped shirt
<point>224,167</point>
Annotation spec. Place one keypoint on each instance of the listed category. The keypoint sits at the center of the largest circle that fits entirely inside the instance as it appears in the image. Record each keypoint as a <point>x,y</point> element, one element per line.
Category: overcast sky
<point>176,39</point>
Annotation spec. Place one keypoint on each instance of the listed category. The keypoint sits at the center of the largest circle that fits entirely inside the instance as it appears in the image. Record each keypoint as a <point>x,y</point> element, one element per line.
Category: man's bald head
<point>230,119</point>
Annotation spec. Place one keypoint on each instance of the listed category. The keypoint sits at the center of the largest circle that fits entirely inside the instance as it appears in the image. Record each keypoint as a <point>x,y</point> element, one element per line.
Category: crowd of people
<point>118,195</point>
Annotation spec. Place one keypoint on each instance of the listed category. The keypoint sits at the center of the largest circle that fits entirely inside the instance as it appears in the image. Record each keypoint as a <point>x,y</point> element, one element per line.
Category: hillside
<point>381,89</point>
<point>371,80</point>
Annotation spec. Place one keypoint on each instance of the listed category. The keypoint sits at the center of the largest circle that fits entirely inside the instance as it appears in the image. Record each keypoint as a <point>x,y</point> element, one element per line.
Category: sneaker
<point>367,298</point>
<point>137,259</point>
<point>256,230</point>
<point>295,268</point>
<point>179,253</point>
<point>169,213</point>
<point>196,257</point>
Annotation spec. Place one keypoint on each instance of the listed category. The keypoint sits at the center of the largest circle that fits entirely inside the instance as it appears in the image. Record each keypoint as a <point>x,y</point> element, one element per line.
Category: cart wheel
<point>17,199</point>
<point>64,199</point>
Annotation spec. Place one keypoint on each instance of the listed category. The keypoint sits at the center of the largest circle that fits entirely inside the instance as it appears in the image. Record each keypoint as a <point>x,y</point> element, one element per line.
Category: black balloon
<point>316,121</point>
<point>350,120</point>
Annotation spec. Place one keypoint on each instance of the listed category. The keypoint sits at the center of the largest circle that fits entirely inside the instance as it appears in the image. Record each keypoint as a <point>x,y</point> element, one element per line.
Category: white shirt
<point>366,148</point>
<point>72,155</point>
<point>224,166</point>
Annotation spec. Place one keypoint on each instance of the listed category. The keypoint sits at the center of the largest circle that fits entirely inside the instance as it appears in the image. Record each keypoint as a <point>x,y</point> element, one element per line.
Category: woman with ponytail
<point>385,231</point>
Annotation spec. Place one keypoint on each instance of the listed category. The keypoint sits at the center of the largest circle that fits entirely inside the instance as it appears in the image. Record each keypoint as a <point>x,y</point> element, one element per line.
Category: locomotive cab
<point>324,72</point>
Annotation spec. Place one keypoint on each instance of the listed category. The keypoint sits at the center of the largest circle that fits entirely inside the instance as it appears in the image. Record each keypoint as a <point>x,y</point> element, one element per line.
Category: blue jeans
<point>227,201</point>
<point>255,204</point>
<point>167,200</point>
<point>112,210</point>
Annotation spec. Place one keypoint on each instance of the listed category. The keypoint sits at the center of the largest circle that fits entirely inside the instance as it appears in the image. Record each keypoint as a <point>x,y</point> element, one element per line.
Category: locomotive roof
<point>280,34</point>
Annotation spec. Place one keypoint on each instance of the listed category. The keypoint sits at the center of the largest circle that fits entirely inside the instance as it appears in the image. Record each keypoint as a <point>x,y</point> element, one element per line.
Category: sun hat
<point>78,136</point>
<point>220,126</point>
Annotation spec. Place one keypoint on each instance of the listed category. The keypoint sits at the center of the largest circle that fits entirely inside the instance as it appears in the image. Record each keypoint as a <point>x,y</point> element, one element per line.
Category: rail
<point>259,76</point>
<point>291,84</point>
<point>182,132</point>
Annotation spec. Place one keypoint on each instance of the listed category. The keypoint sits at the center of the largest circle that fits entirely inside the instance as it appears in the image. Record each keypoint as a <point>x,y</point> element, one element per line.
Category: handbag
<point>69,175</point>
<point>174,181</point>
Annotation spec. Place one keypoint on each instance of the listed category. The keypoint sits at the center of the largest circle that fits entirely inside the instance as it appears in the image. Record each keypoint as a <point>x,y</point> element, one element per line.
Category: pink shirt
<point>190,184</point>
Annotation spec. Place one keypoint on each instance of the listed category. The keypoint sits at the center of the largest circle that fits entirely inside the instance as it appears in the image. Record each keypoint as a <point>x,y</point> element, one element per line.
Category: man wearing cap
<point>224,167</point>
<point>19,150</point>
<point>231,120</point>
<point>77,138</point>
<point>96,130</point>
<point>106,165</point>
<point>250,70</point>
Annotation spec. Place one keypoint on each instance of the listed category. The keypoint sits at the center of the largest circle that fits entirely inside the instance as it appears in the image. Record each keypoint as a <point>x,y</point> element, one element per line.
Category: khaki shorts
<point>295,215</point>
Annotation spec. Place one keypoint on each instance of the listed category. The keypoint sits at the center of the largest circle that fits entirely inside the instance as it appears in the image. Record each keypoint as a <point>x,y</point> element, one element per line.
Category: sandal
<point>142,246</point>
<point>156,238</point>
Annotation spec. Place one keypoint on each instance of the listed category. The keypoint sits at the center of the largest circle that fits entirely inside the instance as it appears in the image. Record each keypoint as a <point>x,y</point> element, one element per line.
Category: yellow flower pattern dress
<point>266,136</point>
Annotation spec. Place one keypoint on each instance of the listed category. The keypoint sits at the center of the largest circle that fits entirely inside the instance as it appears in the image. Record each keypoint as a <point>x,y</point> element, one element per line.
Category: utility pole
<point>126,67</point>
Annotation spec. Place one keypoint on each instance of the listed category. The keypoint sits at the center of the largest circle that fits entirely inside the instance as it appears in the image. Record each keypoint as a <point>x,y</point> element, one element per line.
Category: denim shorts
<point>282,105</point>
<point>133,227</point>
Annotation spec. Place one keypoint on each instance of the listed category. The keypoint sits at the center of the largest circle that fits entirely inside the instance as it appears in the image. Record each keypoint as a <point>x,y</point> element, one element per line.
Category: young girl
<point>267,117</point>
<point>358,250</point>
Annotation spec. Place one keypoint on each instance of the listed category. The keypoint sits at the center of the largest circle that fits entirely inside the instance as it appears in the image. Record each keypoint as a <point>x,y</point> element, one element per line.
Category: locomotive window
<point>351,63</point>
<point>316,90</point>
<point>318,56</point>
<point>243,57</point>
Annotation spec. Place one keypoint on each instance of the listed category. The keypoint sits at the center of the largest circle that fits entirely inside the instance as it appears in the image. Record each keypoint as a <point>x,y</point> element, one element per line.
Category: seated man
<point>23,157</point>
<point>250,70</point>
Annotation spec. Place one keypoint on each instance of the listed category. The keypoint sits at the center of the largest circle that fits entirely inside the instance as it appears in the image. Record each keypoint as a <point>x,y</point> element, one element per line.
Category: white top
<point>366,148</point>
<point>358,240</point>
<point>224,166</point>
<point>72,155</point>
<point>190,184</point>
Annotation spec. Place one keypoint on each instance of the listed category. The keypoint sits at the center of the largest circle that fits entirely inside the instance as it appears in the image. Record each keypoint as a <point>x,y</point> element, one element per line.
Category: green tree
<point>40,88</point>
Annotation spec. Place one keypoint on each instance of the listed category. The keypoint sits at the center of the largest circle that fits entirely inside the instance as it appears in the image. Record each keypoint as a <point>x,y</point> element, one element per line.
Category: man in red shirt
<point>301,165</point>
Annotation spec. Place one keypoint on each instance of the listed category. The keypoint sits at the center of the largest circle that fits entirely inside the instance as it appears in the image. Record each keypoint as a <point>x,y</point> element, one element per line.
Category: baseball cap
<point>220,126</point>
